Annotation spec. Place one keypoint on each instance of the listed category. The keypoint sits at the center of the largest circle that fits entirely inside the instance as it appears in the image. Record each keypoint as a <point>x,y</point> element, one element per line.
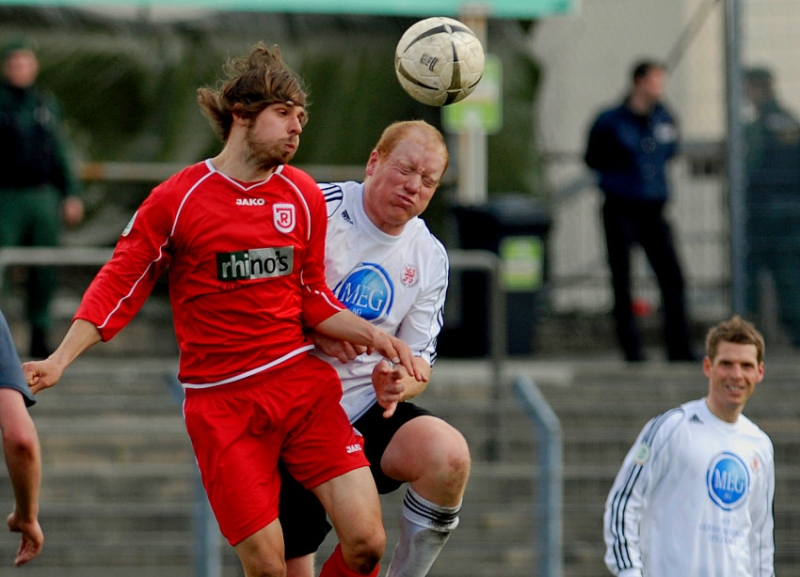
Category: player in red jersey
<point>242,236</point>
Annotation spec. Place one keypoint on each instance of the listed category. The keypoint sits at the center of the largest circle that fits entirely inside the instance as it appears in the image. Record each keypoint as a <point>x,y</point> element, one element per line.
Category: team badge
<point>283,216</point>
<point>642,454</point>
<point>665,132</point>
<point>410,276</point>
<point>728,481</point>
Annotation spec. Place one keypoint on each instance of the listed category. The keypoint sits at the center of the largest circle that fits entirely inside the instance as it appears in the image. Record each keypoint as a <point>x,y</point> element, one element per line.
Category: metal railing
<point>52,256</point>
<point>551,476</point>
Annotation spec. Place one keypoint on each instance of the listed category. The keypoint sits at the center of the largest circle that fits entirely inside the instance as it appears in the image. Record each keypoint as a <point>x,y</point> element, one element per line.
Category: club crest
<point>410,276</point>
<point>283,215</point>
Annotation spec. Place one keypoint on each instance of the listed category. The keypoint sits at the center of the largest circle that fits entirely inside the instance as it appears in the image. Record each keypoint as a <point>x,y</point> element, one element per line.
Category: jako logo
<point>250,202</point>
<point>255,263</point>
<point>367,291</point>
<point>728,481</point>
<point>354,448</point>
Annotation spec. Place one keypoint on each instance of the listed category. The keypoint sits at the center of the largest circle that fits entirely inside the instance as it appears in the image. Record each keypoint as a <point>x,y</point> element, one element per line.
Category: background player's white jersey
<point>396,282</point>
<point>693,497</point>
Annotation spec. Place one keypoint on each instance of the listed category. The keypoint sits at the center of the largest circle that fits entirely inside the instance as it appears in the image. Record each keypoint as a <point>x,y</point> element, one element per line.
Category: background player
<point>694,494</point>
<point>384,263</point>
<point>243,235</point>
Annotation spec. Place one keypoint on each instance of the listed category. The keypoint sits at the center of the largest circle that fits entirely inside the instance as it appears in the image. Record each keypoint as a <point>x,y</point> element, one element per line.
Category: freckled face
<point>400,185</point>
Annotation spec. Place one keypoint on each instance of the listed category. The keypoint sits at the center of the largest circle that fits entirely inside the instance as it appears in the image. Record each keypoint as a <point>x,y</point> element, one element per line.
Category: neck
<point>382,224</point>
<point>641,104</point>
<point>236,166</point>
<point>724,413</point>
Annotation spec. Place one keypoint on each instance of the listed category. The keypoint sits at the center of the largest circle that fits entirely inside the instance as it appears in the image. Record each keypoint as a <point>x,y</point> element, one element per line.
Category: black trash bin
<point>515,227</point>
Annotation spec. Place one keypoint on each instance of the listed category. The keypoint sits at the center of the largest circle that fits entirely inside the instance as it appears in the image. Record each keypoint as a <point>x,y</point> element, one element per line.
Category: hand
<point>389,388</point>
<point>398,352</point>
<point>72,210</point>
<point>344,351</point>
<point>32,538</point>
<point>41,374</point>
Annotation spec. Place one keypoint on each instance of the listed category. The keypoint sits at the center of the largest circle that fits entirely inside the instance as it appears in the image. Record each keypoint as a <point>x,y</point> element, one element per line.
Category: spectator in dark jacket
<point>629,147</point>
<point>772,140</point>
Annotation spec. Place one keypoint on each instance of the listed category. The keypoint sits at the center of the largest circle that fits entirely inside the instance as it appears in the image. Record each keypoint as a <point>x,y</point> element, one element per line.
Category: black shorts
<point>302,516</point>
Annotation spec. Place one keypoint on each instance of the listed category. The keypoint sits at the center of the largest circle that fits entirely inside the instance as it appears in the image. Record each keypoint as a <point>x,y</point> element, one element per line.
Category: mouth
<point>734,388</point>
<point>404,201</point>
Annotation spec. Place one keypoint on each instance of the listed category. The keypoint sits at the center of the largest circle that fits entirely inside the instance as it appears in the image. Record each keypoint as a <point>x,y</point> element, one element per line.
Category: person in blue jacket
<point>629,147</point>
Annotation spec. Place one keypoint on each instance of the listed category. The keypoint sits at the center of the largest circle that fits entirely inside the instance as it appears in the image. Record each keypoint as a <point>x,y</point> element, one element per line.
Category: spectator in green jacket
<point>772,145</point>
<point>37,187</point>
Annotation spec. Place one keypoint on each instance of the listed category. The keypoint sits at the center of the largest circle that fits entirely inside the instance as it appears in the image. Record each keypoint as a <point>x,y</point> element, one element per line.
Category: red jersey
<point>246,270</point>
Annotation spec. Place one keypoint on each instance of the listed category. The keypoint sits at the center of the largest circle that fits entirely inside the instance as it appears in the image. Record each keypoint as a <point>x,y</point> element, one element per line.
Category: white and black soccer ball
<point>439,61</point>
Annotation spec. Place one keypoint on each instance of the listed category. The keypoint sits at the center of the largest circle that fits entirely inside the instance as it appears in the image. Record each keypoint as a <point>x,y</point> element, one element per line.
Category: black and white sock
<point>424,530</point>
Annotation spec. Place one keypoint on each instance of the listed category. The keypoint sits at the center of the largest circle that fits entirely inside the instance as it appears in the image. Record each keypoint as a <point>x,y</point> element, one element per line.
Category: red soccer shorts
<point>239,432</point>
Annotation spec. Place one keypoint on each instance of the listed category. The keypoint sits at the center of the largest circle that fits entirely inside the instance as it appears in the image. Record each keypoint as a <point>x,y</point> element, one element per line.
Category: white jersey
<point>693,497</point>
<point>398,283</point>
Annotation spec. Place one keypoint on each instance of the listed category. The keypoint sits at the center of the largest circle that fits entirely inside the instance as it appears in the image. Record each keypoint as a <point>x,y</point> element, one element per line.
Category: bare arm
<point>23,458</point>
<point>343,351</point>
<point>347,326</point>
<point>44,374</point>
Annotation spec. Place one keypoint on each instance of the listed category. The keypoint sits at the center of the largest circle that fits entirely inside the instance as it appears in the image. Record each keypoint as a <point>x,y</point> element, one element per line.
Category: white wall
<point>587,59</point>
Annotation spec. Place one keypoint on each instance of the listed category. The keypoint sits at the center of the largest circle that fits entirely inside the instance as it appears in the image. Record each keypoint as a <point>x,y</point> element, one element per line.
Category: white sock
<point>424,529</point>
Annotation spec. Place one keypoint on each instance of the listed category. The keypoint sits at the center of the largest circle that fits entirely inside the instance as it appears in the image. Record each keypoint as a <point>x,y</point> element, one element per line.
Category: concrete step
<point>120,477</point>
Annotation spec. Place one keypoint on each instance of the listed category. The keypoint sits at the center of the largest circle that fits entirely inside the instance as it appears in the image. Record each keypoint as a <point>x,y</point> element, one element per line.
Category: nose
<point>414,182</point>
<point>296,126</point>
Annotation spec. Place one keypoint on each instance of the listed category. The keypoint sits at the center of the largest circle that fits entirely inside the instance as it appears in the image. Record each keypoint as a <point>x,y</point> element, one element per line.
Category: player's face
<point>732,378</point>
<point>20,68</point>
<point>274,135</point>
<point>401,184</point>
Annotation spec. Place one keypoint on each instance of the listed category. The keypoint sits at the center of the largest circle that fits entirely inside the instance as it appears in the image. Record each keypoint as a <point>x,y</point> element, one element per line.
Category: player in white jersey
<point>384,264</point>
<point>694,495</point>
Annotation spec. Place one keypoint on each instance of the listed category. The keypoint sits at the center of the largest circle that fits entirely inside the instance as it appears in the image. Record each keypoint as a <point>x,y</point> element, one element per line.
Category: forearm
<point>44,374</point>
<point>80,336</point>
<point>346,326</point>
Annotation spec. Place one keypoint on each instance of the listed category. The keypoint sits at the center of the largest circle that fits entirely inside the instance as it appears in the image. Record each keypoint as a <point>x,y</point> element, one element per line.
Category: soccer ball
<point>439,61</point>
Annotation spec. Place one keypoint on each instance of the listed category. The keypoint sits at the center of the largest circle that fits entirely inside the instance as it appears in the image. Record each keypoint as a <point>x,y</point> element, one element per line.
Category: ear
<point>372,163</point>
<point>237,116</point>
<point>760,372</point>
